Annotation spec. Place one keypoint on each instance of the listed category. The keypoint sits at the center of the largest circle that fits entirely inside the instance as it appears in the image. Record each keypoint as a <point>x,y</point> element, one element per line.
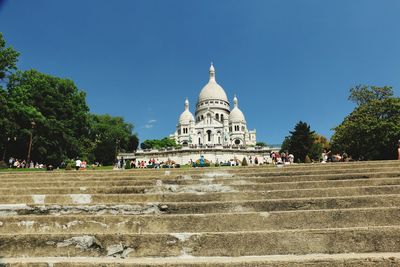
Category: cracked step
<point>229,222</point>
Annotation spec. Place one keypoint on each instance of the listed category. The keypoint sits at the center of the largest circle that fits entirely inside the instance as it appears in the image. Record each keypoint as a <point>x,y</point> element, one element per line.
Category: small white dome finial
<point>235,101</point>
<point>212,72</point>
<point>186,104</point>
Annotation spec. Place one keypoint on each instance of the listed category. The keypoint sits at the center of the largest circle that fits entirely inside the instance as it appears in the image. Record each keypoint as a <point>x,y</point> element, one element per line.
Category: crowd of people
<point>15,163</point>
<point>140,164</point>
<point>327,156</point>
<point>282,158</point>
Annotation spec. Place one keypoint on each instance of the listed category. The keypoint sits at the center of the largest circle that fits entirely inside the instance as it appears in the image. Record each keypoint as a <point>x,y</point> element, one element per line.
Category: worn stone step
<point>228,222</point>
<point>300,169</point>
<point>229,244</point>
<point>205,207</point>
<point>121,176</point>
<point>239,185</point>
<point>200,193</point>
<point>277,179</point>
<point>382,259</point>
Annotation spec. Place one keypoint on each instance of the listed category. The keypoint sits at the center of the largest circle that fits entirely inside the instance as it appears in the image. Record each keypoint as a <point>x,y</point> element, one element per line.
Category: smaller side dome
<point>186,116</point>
<point>236,114</point>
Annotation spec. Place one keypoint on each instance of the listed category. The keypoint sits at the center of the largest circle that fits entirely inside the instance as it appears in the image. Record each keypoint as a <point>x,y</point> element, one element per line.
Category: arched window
<point>242,128</point>
<point>222,117</point>
<point>202,117</point>
<point>217,117</point>
<point>209,135</point>
<point>199,141</point>
<point>237,142</point>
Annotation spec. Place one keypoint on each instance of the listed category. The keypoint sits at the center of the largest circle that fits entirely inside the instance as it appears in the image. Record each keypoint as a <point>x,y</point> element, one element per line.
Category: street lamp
<point>116,149</point>
<point>33,124</point>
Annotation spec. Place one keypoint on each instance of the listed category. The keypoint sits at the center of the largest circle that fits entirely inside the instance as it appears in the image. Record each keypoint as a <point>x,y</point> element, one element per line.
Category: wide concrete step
<point>199,193</point>
<point>239,185</point>
<point>188,181</point>
<point>186,223</point>
<point>251,172</point>
<point>381,259</point>
<point>212,172</point>
<point>228,244</point>
<point>205,207</point>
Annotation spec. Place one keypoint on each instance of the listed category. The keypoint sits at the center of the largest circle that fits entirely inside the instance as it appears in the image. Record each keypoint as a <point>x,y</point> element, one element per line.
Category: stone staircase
<point>339,214</point>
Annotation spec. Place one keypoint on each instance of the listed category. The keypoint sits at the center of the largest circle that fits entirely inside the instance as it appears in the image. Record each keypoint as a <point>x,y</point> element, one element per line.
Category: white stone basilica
<point>214,123</point>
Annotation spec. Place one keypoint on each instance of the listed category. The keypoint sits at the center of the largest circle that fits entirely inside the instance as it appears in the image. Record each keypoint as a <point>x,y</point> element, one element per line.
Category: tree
<point>261,144</point>
<point>371,131</point>
<point>285,145</point>
<point>59,111</point>
<point>166,142</point>
<point>110,135</point>
<point>8,61</point>
<point>320,143</point>
<point>64,128</point>
<point>362,94</point>
<point>301,141</point>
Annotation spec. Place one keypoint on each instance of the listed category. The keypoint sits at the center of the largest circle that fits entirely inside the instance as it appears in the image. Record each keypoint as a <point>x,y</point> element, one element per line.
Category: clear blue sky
<point>286,60</point>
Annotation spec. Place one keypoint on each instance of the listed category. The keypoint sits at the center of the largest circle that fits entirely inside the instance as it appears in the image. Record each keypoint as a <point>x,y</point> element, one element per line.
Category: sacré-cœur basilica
<point>217,132</point>
<point>214,123</point>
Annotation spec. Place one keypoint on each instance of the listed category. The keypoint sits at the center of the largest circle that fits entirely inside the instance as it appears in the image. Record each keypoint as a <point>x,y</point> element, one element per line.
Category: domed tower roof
<point>212,90</point>
<point>186,116</point>
<point>236,114</point>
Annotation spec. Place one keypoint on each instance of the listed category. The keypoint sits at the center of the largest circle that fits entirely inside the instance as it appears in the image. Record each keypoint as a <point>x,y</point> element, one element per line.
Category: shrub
<point>68,167</point>
<point>128,165</point>
<point>244,162</point>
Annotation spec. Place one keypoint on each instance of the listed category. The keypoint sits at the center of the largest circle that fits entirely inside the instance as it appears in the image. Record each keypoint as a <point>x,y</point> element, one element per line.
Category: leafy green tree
<point>110,135</point>
<point>315,151</point>
<point>301,141</point>
<point>166,142</point>
<point>320,143</point>
<point>285,145</point>
<point>362,94</point>
<point>8,61</point>
<point>371,131</point>
<point>57,108</point>
<point>63,127</point>
<point>261,144</point>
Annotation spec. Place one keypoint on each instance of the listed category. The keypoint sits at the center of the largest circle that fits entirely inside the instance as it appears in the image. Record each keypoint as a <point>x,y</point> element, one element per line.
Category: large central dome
<point>212,90</point>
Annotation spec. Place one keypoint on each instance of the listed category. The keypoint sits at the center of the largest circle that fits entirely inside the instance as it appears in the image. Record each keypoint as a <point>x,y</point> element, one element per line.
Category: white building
<point>216,133</point>
<point>214,123</point>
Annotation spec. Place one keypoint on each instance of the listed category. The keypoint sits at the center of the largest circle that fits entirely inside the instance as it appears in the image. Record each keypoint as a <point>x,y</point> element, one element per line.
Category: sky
<point>286,60</point>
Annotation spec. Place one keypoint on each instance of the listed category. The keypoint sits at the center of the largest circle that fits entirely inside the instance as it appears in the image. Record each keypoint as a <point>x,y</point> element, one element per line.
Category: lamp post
<point>33,124</point>
<point>116,149</point>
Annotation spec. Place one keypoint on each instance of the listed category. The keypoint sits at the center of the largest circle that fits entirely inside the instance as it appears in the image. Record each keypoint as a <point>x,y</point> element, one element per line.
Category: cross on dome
<point>235,101</point>
<point>186,104</point>
<point>212,72</point>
